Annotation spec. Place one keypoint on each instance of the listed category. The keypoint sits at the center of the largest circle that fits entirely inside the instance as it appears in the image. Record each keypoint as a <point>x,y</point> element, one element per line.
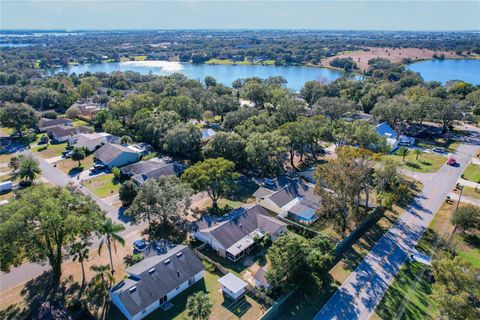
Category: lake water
<point>444,70</point>
<point>226,74</point>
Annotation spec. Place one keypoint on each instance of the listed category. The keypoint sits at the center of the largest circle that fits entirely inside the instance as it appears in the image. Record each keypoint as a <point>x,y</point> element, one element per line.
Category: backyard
<point>222,309</point>
<point>51,150</point>
<point>103,186</point>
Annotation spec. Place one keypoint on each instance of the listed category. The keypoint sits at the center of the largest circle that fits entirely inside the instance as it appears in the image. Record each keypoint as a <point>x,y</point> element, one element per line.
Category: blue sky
<point>266,14</point>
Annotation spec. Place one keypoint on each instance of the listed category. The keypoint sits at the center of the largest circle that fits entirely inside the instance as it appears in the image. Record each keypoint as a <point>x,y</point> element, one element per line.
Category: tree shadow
<point>75,171</point>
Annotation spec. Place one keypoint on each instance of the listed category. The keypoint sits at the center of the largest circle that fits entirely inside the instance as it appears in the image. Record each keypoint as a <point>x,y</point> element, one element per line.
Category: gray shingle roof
<point>292,191</point>
<point>110,151</point>
<point>151,285</point>
<point>44,122</point>
<point>166,170</point>
<point>239,224</point>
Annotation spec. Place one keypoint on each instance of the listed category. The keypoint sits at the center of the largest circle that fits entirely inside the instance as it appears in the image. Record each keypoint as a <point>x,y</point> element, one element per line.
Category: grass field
<point>70,167</point>
<point>79,123</point>
<point>410,284</point>
<point>50,151</point>
<point>427,162</point>
<point>471,193</point>
<point>103,186</point>
<point>249,309</point>
<point>472,173</point>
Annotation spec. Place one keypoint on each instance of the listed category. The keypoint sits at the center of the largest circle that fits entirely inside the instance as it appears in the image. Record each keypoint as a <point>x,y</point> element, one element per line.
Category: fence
<point>217,265</point>
<point>372,218</point>
<point>273,310</point>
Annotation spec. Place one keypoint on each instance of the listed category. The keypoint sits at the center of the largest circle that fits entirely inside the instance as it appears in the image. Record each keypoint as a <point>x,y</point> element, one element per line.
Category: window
<point>177,288</point>
<point>191,281</point>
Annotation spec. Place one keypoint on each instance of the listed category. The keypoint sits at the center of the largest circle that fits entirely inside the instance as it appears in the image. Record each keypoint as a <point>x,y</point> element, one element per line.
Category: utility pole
<point>460,197</point>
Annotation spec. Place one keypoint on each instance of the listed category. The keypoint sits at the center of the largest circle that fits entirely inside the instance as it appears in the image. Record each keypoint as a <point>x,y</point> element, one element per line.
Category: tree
<point>186,107</point>
<point>417,152</point>
<point>18,116</point>
<point>29,169</point>
<point>73,112</point>
<point>403,152</point>
<point>131,259</point>
<point>85,90</point>
<point>446,112</point>
<point>79,252</point>
<point>334,108</point>
<point>78,154</point>
<point>128,192</point>
<point>266,152</point>
<point>256,92</point>
<point>456,288</point>
<point>41,223</point>
<point>184,140</point>
<point>14,163</point>
<point>466,218</point>
<point>109,231</point>
<point>199,306</point>
<point>125,140</point>
<point>216,176</point>
<point>210,81</point>
<point>295,260</point>
<point>226,145</point>
<point>152,127</point>
<point>99,287</point>
<point>164,200</point>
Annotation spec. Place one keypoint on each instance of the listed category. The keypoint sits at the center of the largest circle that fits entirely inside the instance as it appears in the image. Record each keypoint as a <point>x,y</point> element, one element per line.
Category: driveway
<point>364,289</point>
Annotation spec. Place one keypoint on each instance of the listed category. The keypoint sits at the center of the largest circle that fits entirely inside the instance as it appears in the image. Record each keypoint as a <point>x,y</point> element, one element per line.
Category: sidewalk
<point>468,183</point>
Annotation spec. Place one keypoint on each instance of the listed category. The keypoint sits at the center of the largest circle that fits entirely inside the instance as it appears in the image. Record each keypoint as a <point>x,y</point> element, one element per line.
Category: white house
<point>116,155</point>
<point>156,280</point>
<point>232,285</point>
<point>234,235</point>
<point>296,201</point>
<point>393,139</point>
<point>91,141</point>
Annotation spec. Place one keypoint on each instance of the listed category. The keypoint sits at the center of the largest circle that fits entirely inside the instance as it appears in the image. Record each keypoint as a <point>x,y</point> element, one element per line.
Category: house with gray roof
<point>155,280</point>
<point>296,201</point>
<point>234,235</point>
<point>62,133</point>
<point>154,168</point>
<point>92,141</point>
<point>116,155</point>
<point>46,123</point>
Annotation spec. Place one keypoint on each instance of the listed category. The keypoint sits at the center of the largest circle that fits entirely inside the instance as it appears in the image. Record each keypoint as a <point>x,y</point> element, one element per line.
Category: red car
<point>451,161</point>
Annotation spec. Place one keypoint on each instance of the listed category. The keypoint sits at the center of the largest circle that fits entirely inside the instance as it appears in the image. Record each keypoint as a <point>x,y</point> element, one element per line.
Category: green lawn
<point>427,162</point>
<point>472,173</point>
<point>70,167</point>
<point>471,193</point>
<point>103,186</point>
<point>79,123</point>
<point>430,144</point>
<point>412,285</point>
<point>50,151</point>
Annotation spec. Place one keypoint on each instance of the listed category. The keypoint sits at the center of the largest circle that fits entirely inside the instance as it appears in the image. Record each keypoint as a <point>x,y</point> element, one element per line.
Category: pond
<point>225,74</point>
<point>467,70</point>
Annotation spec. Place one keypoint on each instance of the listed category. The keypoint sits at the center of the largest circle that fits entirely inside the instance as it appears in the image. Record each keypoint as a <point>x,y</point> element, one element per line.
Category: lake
<point>443,70</point>
<point>226,74</point>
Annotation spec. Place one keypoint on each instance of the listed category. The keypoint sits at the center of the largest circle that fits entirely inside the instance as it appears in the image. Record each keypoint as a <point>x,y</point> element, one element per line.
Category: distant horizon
<point>361,15</point>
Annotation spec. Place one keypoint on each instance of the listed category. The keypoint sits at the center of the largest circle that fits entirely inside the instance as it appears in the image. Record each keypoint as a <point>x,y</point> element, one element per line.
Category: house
<point>153,168</point>
<point>91,141</point>
<point>45,123</point>
<point>88,108</point>
<point>156,280</point>
<point>233,286</point>
<point>64,133</point>
<point>296,201</point>
<point>234,235</point>
<point>260,281</point>
<point>393,139</point>
<point>116,155</point>
<point>207,134</point>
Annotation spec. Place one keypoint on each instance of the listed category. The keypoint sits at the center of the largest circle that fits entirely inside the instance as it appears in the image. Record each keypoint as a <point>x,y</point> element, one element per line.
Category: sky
<point>241,14</point>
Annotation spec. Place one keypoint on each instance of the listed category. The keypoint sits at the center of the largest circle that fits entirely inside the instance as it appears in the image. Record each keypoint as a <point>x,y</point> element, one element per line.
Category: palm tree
<point>79,252</point>
<point>417,153</point>
<point>199,306</point>
<point>100,286</point>
<point>403,151</point>
<point>109,230</point>
<point>29,169</point>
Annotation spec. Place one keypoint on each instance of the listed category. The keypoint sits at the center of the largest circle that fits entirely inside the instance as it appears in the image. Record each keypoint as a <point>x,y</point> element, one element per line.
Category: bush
<point>50,115</point>
<point>117,174</point>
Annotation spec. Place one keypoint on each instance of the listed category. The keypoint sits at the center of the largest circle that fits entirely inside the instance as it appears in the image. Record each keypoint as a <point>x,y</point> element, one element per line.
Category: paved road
<point>364,289</point>
<point>28,271</point>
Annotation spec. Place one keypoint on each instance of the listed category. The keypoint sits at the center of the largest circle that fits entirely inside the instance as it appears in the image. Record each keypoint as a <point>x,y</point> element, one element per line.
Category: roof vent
<point>241,227</point>
<point>179,254</point>
<point>166,261</point>
<point>151,270</point>
<point>178,273</point>
<point>132,289</point>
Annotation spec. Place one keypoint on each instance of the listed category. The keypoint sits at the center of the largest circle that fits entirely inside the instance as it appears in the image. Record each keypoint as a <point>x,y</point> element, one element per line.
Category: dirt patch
<point>395,55</point>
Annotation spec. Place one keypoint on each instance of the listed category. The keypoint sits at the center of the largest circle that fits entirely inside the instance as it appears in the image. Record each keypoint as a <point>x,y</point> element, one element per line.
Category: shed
<point>233,286</point>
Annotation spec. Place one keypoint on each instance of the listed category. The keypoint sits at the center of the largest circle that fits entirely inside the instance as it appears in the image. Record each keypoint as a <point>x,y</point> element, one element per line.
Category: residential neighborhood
<point>309,169</point>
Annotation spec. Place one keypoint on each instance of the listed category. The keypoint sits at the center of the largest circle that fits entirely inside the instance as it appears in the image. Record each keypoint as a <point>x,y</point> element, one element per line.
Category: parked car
<point>268,183</point>
<point>67,153</point>
<point>139,245</point>
<point>43,140</point>
<point>6,186</point>
<point>451,161</point>
<point>97,167</point>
